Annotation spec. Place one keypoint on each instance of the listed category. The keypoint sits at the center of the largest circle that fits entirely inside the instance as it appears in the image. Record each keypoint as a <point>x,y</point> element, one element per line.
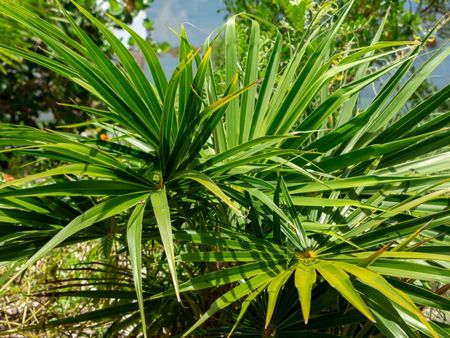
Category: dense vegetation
<point>28,89</point>
<point>267,203</point>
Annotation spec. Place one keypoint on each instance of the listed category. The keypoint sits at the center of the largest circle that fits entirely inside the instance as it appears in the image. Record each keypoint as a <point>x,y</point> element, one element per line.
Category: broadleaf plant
<point>267,183</point>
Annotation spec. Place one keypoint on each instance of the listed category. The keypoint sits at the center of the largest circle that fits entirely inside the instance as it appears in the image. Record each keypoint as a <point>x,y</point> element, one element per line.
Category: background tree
<point>408,18</point>
<point>27,90</point>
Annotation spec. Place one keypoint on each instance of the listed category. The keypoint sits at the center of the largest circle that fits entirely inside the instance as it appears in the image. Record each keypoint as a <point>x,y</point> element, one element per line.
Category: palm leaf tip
<point>305,278</point>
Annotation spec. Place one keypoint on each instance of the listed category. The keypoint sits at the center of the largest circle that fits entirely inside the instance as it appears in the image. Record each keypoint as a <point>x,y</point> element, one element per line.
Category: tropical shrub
<point>275,190</point>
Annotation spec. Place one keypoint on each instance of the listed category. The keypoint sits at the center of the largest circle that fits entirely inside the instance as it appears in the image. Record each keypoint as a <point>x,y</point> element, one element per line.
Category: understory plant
<point>269,203</point>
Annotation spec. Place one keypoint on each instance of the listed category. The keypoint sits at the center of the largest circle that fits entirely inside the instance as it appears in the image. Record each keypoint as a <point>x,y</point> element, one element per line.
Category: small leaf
<point>305,277</point>
<point>274,289</point>
<point>339,280</point>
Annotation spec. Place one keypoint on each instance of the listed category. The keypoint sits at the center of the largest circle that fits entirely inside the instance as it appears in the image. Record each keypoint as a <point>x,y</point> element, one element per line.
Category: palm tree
<point>273,181</point>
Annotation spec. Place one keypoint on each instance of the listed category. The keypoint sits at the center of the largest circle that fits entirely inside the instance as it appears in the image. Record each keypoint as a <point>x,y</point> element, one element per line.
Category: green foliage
<point>408,18</point>
<point>274,189</point>
<point>28,90</point>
